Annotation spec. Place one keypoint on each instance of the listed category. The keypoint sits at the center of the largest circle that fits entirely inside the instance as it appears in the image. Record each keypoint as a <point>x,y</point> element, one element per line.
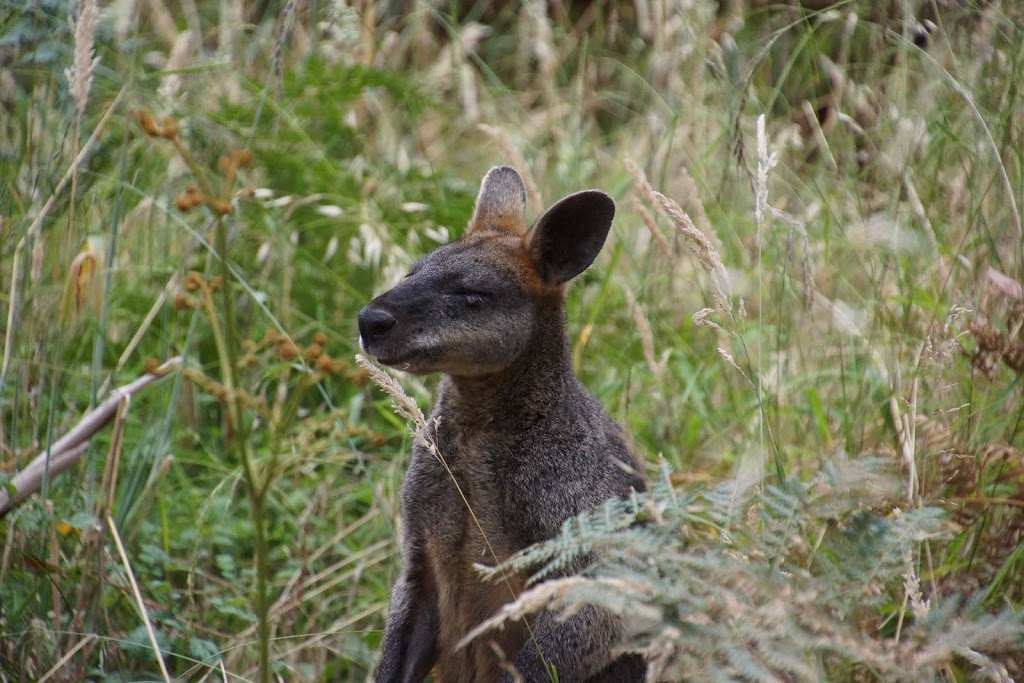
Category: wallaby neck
<point>539,381</point>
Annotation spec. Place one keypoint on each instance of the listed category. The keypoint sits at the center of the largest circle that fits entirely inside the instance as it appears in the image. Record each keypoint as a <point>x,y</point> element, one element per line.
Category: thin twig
<point>129,348</point>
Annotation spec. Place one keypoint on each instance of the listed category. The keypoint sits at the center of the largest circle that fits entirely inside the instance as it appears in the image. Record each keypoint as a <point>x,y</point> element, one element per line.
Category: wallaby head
<point>473,306</point>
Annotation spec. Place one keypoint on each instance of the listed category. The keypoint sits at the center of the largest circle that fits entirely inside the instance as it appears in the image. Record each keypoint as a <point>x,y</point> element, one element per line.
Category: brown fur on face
<point>519,441</point>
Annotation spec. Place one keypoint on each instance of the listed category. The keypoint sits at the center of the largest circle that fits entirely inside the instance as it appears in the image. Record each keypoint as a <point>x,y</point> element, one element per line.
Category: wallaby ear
<point>501,204</point>
<point>569,236</point>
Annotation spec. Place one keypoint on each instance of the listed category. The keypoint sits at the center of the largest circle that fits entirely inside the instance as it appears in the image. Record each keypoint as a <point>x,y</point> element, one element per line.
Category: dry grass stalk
<point>654,364</point>
<point>171,85</point>
<point>32,234</point>
<point>557,593</point>
<point>59,664</point>
<point>765,163</point>
<point>404,405</point>
<point>652,227</point>
<point>138,598</point>
<point>164,25</point>
<point>700,243</point>
<point>702,318</point>
<point>695,206</point>
<point>469,94</point>
<point>543,45</point>
<point>79,75</point>
<point>728,358</point>
<point>1006,286</point>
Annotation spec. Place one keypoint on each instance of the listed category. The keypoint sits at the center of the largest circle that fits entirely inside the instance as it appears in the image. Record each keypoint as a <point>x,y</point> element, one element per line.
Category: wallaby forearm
<point>410,636</point>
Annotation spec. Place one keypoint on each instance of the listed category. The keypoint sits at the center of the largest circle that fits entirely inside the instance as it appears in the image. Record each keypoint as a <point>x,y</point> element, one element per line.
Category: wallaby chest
<point>458,503</point>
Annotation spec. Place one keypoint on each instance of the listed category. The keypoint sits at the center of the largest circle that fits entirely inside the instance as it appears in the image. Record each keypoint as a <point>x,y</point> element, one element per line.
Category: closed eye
<point>471,297</point>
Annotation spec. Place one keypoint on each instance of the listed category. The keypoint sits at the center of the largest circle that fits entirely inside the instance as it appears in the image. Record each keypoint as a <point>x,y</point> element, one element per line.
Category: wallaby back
<point>522,443</point>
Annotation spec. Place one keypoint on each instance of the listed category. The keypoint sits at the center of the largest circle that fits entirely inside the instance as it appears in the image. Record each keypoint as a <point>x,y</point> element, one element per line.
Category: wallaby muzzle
<point>374,324</point>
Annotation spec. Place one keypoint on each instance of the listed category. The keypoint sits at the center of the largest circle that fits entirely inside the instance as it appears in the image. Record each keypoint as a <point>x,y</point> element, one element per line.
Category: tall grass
<point>845,290</point>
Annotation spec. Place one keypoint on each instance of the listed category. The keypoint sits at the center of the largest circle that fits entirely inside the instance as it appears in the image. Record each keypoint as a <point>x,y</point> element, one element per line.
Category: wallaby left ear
<point>569,236</point>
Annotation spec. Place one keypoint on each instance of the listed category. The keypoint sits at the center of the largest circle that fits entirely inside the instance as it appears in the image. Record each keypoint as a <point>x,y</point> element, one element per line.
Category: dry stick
<point>67,450</point>
<point>36,225</point>
<point>138,598</point>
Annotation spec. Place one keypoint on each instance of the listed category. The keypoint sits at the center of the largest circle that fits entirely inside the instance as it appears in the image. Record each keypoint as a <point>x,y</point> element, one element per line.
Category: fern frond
<point>799,591</point>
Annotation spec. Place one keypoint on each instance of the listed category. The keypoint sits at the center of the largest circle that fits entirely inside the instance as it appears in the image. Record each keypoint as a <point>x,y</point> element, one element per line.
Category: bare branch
<point>68,449</point>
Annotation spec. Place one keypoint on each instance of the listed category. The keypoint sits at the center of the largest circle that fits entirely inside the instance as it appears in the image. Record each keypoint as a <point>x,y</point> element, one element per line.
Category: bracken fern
<point>747,582</point>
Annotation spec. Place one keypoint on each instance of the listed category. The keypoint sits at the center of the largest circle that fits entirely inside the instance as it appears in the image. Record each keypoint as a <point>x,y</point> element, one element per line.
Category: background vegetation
<point>815,339</point>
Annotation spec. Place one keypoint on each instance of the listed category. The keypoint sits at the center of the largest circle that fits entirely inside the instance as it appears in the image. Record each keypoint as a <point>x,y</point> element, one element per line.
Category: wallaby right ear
<point>501,204</point>
<point>569,236</point>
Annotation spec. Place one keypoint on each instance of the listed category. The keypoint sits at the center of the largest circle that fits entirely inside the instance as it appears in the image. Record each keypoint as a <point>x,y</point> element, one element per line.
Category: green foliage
<point>867,356</point>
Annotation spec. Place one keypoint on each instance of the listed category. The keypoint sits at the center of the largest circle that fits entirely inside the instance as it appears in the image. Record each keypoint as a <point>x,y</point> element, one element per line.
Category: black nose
<point>374,322</point>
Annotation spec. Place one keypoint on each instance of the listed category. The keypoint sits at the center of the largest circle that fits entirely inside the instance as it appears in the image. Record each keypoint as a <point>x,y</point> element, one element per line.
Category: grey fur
<point>527,443</point>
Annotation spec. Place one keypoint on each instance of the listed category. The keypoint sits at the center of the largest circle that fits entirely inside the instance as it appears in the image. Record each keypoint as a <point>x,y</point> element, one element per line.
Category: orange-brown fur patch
<point>464,601</point>
<point>512,249</point>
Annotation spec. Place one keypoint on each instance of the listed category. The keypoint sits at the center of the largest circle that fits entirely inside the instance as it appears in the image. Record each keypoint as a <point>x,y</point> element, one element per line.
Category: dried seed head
<point>325,364</point>
<point>701,244</point>
<point>170,129</point>
<point>375,439</point>
<point>320,338</point>
<point>287,350</point>
<point>148,123</point>
<point>80,74</point>
<point>991,343</point>
<point>242,157</point>
<point>1014,356</point>
<point>194,281</point>
<point>190,199</point>
<point>185,202</point>
<point>220,206</point>
<point>184,302</point>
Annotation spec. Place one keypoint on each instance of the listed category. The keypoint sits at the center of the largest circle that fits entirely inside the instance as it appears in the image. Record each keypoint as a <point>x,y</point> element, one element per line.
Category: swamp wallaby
<point>526,442</point>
